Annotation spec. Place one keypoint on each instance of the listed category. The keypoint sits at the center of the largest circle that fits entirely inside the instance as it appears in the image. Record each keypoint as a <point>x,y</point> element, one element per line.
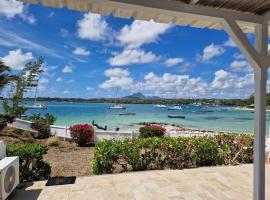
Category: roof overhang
<point>162,11</point>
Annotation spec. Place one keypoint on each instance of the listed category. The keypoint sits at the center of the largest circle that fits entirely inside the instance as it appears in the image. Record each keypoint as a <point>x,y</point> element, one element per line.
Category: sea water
<point>216,118</point>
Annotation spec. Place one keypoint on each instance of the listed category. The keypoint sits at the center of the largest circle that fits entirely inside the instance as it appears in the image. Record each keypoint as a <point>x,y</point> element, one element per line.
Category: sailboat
<point>37,105</point>
<point>160,106</point>
<point>175,106</point>
<point>116,105</point>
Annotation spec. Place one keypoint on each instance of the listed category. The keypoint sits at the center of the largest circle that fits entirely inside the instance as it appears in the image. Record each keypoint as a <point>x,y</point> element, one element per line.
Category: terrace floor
<point>229,182</point>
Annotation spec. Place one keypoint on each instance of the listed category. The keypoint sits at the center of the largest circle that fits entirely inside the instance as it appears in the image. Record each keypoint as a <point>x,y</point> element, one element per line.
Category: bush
<point>82,134</point>
<point>32,165</point>
<point>53,141</point>
<point>42,128</point>
<point>152,131</point>
<point>175,153</point>
<point>26,134</point>
<point>42,124</point>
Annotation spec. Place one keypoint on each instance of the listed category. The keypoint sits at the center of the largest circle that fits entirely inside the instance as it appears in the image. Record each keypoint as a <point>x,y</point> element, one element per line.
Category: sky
<point>89,56</point>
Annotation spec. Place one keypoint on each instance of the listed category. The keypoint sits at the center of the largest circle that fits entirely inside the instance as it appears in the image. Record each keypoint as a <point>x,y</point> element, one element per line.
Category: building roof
<point>195,13</point>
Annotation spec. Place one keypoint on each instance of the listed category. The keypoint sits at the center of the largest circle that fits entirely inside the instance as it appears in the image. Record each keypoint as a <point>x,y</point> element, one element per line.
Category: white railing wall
<point>63,131</point>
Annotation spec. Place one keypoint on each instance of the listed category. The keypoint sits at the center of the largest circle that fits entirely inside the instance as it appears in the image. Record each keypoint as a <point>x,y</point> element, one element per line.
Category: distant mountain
<point>140,96</point>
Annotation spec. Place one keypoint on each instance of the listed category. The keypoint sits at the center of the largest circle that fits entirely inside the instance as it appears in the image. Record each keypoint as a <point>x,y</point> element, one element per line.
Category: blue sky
<point>88,55</point>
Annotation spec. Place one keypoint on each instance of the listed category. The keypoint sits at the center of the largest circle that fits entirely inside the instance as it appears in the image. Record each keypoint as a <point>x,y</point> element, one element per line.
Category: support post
<point>260,77</point>
<point>258,58</point>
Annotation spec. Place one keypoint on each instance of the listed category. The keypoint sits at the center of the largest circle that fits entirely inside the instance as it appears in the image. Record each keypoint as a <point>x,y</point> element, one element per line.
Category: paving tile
<point>212,183</point>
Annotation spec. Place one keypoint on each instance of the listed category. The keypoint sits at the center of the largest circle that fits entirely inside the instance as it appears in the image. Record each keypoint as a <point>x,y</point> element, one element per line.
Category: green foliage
<point>175,153</point>
<point>152,131</point>
<point>5,76</point>
<point>26,80</point>
<point>26,134</point>
<point>4,120</point>
<point>32,165</point>
<point>47,118</point>
<point>42,124</point>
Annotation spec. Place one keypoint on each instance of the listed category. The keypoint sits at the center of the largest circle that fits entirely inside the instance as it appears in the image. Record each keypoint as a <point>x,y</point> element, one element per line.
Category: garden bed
<point>66,159</point>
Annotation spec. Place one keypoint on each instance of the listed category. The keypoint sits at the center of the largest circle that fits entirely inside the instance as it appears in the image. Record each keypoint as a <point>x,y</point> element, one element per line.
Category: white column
<point>259,60</point>
<point>260,76</point>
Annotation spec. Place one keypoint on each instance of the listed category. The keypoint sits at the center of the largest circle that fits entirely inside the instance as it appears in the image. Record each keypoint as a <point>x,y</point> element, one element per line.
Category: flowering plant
<point>152,131</point>
<point>82,134</point>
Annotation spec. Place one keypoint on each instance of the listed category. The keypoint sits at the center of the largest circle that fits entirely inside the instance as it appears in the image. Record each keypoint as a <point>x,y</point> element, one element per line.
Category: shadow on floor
<point>22,193</point>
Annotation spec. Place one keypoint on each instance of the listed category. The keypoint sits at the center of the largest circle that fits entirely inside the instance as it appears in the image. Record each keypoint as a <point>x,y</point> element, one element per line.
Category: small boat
<point>175,108</point>
<point>177,116</point>
<point>160,106</point>
<point>117,106</point>
<point>129,113</point>
<point>38,106</point>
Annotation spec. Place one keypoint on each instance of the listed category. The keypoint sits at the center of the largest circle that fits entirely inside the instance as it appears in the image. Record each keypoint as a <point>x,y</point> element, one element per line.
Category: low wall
<point>63,131</point>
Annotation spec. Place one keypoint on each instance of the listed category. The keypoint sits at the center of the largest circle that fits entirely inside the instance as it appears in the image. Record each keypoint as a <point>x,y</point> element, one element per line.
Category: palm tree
<point>5,76</point>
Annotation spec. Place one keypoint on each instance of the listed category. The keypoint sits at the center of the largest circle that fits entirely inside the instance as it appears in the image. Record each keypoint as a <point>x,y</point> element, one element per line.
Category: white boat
<point>38,106</point>
<point>117,106</point>
<point>160,106</point>
<point>175,108</point>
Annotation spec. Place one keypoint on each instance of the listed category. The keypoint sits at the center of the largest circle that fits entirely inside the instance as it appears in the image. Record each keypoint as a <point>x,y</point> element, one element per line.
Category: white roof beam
<point>239,37</point>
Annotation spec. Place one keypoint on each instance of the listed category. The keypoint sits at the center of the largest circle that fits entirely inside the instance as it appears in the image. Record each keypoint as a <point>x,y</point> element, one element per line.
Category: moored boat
<point>160,106</point>
<point>129,113</point>
<point>176,107</point>
<point>117,106</point>
<point>37,106</point>
<point>177,116</point>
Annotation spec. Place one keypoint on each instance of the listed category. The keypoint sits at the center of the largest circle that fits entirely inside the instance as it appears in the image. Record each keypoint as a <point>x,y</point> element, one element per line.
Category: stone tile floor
<point>210,183</point>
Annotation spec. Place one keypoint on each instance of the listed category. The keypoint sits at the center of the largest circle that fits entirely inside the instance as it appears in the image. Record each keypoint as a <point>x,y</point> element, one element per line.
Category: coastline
<point>178,129</point>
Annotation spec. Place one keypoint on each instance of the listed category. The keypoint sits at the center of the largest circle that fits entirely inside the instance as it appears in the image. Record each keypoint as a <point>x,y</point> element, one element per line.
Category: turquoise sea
<point>205,117</point>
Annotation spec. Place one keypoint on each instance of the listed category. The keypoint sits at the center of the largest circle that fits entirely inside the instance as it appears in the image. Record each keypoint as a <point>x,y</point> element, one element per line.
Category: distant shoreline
<point>204,102</point>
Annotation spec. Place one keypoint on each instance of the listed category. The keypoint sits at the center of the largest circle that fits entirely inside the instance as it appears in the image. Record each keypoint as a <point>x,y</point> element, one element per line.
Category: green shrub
<point>32,165</point>
<point>175,153</point>
<point>152,131</point>
<point>26,134</point>
<point>42,124</point>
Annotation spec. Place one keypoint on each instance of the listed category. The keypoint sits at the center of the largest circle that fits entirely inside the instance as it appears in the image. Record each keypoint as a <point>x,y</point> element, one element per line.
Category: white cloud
<point>89,88</point>
<point>124,82</point>
<point>118,78</point>
<point>66,92</point>
<point>67,69</point>
<point>211,51</point>
<point>13,40</point>
<point>229,43</point>
<point>16,59</point>
<point>11,8</point>
<point>81,51</point>
<point>116,72</point>
<point>141,32</point>
<point>42,84</point>
<point>92,27</point>
<point>59,79</point>
<point>168,84</point>
<point>132,56</point>
<point>232,84</point>
<point>49,71</point>
<point>240,66</point>
<point>43,81</point>
<point>70,81</point>
<point>64,32</point>
<point>173,61</point>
